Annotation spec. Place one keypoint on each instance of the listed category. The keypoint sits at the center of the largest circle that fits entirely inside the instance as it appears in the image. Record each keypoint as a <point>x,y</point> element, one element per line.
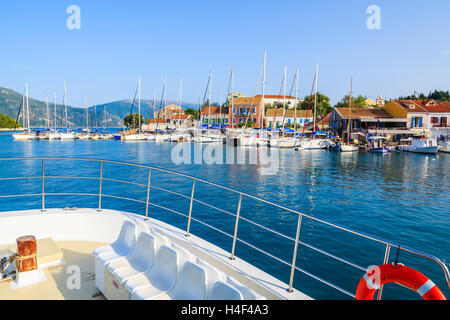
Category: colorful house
<point>288,117</point>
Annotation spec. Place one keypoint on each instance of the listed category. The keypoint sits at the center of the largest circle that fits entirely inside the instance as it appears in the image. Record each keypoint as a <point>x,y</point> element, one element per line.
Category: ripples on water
<point>400,197</point>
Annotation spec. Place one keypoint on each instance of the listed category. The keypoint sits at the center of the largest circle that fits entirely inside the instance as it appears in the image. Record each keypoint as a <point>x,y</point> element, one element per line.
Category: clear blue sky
<point>121,40</point>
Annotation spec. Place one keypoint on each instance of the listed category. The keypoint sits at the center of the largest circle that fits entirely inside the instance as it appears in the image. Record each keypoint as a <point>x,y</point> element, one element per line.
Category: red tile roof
<point>214,110</point>
<point>271,96</point>
<point>424,105</point>
<point>180,116</point>
<point>362,113</point>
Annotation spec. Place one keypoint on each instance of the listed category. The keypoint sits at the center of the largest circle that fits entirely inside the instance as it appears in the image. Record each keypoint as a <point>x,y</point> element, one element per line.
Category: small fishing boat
<point>348,148</point>
<point>423,145</point>
<point>376,144</point>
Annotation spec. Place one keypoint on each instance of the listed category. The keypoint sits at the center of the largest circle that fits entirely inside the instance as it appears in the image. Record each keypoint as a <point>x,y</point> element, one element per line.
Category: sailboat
<point>28,134</point>
<point>287,142</point>
<point>44,135</point>
<point>347,147</point>
<point>66,135</point>
<point>261,139</point>
<point>54,135</point>
<point>137,135</point>
<point>86,134</point>
<point>319,139</point>
<point>204,136</point>
<point>151,136</point>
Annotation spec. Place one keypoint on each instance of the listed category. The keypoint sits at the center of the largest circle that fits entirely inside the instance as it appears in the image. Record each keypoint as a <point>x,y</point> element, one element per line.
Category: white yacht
<point>118,255</point>
<point>66,136</point>
<point>423,145</point>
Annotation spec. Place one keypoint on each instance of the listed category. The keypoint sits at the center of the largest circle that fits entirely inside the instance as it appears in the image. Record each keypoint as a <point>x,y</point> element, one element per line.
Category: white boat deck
<point>78,232</point>
<point>55,287</point>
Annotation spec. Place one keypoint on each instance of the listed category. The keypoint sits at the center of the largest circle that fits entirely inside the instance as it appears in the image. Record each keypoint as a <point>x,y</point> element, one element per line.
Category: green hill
<point>7,122</point>
<point>116,111</point>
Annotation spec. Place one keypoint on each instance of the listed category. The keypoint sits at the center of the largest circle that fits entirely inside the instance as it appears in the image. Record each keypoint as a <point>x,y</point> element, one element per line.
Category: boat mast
<point>55,114</point>
<point>284,96</point>
<point>210,97</point>
<point>139,103</point>
<point>65,105</point>
<point>28,108</point>
<point>296,97</point>
<point>349,127</point>
<point>232,97</point>
<point>315,98</point>
<point>48,115</point>
<point>87,113</point>
<point>263,94</point>
<point>181,90</point>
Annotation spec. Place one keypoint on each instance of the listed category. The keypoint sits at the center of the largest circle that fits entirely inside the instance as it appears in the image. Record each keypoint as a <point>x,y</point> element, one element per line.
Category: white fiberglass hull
<point>160,137</point>
<point>54,136</point>
<point>134,137</point>
<point>67,136</point>
<point>286,143</point>
<point>314,144</point>
<point>24,137</point>
<point>247,141</point>
<point>347,148</point>
<point>427,150</point>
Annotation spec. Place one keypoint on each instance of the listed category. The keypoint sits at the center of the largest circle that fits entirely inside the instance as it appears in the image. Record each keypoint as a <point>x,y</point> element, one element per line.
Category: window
<point>434,120</point>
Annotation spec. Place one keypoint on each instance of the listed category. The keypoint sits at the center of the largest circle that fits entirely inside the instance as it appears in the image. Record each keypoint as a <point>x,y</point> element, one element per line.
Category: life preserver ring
<point>400,274</point>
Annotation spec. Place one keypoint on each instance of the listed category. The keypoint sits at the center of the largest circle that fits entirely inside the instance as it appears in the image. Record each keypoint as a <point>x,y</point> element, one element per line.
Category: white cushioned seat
<point>159,279</point>
<point>124,243</point>
<point>191,284</point>
<point>224,291</point>
<point>213,275</point>
<point>247,293</point>
<point>120,248</point>
<point>139,261</point>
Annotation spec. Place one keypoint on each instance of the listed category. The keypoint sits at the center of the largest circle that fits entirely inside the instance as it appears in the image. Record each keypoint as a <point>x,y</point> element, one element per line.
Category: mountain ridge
<point>116,111</point>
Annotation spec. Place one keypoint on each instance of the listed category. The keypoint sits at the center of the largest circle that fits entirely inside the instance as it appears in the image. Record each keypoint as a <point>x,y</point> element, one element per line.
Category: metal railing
<point>149,186</point>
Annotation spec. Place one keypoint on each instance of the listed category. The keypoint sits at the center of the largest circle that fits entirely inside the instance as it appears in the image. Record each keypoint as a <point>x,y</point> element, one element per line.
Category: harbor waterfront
<point>402,197</point>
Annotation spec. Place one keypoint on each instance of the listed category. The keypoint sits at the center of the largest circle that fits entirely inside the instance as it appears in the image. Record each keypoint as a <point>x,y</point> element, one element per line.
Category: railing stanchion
<point>100,191</point>
<point>236,227</point>
<point>190,210</point>
<point>148,192</point>
<point>43,186</point>
<point>385,261</point>
<point>294,258</point>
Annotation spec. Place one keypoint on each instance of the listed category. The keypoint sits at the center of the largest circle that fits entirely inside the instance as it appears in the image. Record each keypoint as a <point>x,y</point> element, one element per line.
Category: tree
<point>131,121</point>
<point>7,122</point>
<point>438,95</point>
<point>195,113</point>
<point>323,104</point>
<point>358,102</point>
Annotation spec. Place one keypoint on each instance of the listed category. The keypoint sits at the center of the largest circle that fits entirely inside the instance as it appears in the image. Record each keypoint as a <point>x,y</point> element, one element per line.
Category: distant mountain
<point>10,101</point>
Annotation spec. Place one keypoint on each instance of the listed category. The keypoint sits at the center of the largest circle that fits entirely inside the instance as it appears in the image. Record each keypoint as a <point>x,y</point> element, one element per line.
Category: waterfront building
<point>366,121</point>
<point>167,112</point>
<point>290,117</point>
<point>181,120</point>
<point>423,116</point>
<point>243,110</point>
<point>273,100</point>
<point>215,116</point>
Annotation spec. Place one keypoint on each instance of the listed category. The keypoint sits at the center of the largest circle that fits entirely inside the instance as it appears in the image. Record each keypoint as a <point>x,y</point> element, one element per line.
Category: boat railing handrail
<point>237,215</point>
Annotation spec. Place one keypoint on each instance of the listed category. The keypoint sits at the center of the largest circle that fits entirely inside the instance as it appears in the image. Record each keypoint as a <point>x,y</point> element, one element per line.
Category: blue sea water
<point>400,197</point>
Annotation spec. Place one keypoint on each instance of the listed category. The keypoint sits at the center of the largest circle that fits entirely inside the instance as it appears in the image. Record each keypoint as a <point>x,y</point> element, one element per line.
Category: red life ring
<point>400,274</point>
